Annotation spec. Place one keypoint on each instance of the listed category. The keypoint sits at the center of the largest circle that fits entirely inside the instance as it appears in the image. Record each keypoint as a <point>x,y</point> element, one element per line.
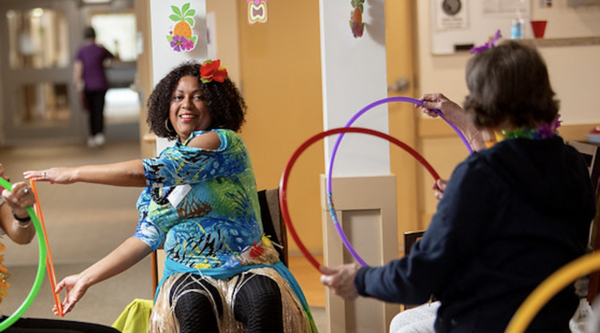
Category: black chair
<point>410,238</point>
<point>273,223</point>
<point>590,153</point>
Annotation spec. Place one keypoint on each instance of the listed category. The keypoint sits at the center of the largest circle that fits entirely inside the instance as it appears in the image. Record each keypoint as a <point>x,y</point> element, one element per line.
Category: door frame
<point>12,79</point>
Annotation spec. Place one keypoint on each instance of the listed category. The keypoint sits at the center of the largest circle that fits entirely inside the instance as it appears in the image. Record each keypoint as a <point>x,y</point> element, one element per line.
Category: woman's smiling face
<point>188,113</point>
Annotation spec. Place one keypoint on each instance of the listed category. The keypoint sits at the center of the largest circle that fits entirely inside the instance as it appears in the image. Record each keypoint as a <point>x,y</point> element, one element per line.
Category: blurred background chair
<point>590,153</point>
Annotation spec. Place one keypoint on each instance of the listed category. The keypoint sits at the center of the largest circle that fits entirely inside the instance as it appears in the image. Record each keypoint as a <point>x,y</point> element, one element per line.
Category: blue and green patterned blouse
<point>202,203</point>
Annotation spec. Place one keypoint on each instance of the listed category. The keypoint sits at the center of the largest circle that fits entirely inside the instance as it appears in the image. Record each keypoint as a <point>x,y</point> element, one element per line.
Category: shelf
<point>573,41</point>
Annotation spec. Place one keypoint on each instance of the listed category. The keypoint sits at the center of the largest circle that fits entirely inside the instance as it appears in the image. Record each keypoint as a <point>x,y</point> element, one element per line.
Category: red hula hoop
<point>288,168</point>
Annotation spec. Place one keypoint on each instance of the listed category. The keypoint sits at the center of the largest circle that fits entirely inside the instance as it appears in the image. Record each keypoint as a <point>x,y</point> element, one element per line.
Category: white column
<point>164,56</point>
<point>354,75</point>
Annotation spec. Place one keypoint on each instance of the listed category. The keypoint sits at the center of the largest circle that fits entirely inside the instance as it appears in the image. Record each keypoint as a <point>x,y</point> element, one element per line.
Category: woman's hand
<point>14,217</point>
<point>130,252</point>
<point>53,175</point>
<point>341,280</point>
<point>18,198</point>
<point>439,187</point>
<point>451,111</point>
<point>75,289</point>
<point>454,114</point>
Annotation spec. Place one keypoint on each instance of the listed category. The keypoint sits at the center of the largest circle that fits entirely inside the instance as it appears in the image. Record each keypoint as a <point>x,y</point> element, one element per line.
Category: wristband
<point>21,219</point>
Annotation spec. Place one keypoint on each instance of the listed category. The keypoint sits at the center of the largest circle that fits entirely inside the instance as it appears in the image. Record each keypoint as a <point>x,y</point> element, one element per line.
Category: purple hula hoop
<point>331,206</point>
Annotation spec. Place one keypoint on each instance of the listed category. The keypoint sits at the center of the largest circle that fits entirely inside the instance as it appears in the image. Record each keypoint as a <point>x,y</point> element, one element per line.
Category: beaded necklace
<point>544,131</point>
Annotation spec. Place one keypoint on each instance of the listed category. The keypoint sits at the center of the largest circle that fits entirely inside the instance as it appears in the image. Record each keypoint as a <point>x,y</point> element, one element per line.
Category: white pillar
<point>164,56</point>
<point>354,76</point>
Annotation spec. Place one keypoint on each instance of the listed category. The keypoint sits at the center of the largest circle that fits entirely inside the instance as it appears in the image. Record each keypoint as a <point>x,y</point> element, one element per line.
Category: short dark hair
<point>509,83</point>
<point>223,101</point>
<point>89,32</point>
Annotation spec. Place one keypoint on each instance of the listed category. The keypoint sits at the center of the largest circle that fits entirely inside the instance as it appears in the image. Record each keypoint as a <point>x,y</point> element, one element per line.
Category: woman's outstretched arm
<point>128,173</point>
<point>119,260</point>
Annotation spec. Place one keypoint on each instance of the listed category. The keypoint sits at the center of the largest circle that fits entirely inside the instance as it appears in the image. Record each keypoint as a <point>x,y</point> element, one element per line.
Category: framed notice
<point>451,14</point>
<point>458,25</point>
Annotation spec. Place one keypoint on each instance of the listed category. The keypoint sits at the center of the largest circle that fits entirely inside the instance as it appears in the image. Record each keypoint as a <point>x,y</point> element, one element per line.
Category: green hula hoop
<point>41,267</point>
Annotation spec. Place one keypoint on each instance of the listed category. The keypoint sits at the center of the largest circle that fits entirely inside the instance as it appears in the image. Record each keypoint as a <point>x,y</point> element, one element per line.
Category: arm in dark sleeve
<point>450,239</point>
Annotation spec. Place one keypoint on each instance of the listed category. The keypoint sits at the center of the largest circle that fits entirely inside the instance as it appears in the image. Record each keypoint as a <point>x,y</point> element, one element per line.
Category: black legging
<point>31,325</point>
<point>258,305</point>
<point>95,103</point>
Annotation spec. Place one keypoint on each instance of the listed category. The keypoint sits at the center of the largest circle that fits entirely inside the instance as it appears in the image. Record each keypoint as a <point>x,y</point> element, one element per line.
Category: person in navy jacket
<point>510,215</point>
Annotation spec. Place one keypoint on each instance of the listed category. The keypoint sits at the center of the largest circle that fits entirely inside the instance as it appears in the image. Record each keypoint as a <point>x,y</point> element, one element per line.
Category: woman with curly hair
<point>200,202</point>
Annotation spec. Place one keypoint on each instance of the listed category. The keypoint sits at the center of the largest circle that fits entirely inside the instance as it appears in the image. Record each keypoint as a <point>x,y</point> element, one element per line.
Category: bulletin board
<point>457,25</point>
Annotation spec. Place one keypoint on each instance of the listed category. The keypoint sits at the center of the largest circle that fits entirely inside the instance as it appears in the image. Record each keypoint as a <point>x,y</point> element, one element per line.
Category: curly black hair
<point>509,83</point>
<point>223,100</point>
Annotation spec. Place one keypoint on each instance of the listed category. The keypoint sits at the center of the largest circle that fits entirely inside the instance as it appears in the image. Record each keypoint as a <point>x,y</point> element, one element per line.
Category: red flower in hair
<point>212,70</point>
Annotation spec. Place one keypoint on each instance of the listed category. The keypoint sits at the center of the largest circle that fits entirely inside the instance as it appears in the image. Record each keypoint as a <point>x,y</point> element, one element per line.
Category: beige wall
<point>574,73</point>
<point>281,81</point>
<point>574,70</point>
<point>227,34</point>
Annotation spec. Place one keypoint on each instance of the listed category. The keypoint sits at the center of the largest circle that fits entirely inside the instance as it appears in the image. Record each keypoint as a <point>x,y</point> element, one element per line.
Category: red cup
<point>539,27</point>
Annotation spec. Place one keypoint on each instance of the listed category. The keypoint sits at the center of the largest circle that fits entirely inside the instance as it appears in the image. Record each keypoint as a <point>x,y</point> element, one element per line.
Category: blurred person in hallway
<point>16,224</point>
<point>89,77</point>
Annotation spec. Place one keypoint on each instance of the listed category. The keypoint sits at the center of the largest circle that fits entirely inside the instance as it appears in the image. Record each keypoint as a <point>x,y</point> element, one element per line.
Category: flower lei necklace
<point>3,270</point>
<point>544,131</point>
<point>3,275</point>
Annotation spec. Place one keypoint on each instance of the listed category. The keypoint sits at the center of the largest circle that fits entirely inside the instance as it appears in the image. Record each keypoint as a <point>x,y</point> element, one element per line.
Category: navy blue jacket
<point>510,216</point>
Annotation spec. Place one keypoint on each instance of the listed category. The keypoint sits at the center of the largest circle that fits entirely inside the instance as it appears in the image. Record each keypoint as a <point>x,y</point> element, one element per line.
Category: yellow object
<point>182,28</point>
<point>265,239</point>
<point>3,276</point>
<point>136,317</point>
<point>550,287</point>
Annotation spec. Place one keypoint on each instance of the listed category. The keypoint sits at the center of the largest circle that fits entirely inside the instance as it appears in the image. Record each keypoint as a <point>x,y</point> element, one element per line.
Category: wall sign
<point>181,36</point>
<point>257,11</point>
<point>451,14</point>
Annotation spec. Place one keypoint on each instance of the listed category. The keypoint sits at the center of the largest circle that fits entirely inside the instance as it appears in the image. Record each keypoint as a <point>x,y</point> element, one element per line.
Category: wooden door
<point>401,64</point>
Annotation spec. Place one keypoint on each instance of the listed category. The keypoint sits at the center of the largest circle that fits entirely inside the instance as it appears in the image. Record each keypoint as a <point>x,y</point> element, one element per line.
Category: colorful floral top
<point>202,204</point>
